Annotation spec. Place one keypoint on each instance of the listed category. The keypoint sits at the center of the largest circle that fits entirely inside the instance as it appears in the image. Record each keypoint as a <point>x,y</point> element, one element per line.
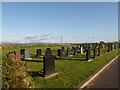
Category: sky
<point>49,22</point>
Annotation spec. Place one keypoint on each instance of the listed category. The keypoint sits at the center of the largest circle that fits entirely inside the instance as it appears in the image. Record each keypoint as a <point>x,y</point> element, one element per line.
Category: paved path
<point>108,78</point>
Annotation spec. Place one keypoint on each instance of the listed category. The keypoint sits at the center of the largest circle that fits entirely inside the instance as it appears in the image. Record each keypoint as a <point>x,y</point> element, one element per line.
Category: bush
<point>14,74</point>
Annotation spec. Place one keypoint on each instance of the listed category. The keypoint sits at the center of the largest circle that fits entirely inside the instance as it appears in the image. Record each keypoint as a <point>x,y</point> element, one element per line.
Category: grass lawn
<point>71,72</point>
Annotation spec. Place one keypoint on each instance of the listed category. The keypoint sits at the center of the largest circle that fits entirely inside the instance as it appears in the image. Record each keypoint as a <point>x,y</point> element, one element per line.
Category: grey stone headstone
<point>81,50</point>
<point>68,51</point>
<point>25,53</point>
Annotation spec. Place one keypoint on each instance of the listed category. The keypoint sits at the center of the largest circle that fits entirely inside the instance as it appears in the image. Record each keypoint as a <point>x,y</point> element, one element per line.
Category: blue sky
<point>47,22</point>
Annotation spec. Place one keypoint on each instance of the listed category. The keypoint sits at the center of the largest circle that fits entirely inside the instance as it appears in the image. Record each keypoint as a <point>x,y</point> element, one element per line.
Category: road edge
<point>96,74</point>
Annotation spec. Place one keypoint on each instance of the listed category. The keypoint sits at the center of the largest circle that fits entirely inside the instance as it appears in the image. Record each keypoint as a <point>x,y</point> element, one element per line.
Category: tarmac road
<point>108,78</point>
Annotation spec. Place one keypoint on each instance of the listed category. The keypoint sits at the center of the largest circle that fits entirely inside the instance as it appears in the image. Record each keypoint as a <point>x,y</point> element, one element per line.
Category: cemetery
<point>58,65</point>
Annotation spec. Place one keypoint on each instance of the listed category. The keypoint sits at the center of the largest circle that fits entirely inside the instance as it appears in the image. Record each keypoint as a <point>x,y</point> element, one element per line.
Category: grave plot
<point>48,64</point>
<point>69,54</point>
<point>38,53</point>
<point>25,54</point>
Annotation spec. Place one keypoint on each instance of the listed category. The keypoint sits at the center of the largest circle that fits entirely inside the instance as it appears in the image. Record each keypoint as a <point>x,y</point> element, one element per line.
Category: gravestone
<point>81,50</point>
<point>77,47</point>
<point>68,51</point>
<point>115,46</point>
<point>62,48</point>
<point>25,54</point>
<point>95,52</point>
<point>98,51</point>
<point>48,51</point>
<point>88,54</point>
<point>72,49</point>
<point>48,64</point>
<point>38,52</point>
<point>109,48</point>
<point>59,53</point>
<point>75,51</point>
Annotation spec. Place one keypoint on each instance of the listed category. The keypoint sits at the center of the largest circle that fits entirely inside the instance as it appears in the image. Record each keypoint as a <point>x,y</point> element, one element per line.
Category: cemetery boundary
<point>91,78</point>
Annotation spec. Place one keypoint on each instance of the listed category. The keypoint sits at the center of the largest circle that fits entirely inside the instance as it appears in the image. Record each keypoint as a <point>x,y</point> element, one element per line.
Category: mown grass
<point>71,70</point>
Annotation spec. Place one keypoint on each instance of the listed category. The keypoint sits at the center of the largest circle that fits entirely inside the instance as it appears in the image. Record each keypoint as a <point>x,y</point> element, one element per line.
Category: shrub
<point>14,74</point>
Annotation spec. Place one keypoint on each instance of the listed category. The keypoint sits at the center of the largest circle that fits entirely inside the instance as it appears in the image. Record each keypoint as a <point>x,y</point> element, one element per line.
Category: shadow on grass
<point>33,60</point>
<point>78,59</point>
<point>34,73</point>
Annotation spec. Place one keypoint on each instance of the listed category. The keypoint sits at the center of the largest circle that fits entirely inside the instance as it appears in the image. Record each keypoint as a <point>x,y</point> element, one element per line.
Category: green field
<point>71,71</point>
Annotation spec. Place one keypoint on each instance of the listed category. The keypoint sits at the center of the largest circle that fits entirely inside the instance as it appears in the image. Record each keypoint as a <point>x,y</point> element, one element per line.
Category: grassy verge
<point>71,72</point>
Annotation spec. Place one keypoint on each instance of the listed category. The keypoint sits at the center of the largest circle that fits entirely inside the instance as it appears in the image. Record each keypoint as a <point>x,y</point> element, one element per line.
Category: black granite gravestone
<point>48,51</point>
<point>95,52</point>
<point>59,53</point>
<point>88,54</point>
<point>72,49</point>
<point>115,46</point>
<point>98,51</point>
<point>22,52</point>
<point>75,51</point>
<point>48,65</point>
<point>38,52</point>
<point>77,47</point>
<point>109,48</point>
<point>68,51</point>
